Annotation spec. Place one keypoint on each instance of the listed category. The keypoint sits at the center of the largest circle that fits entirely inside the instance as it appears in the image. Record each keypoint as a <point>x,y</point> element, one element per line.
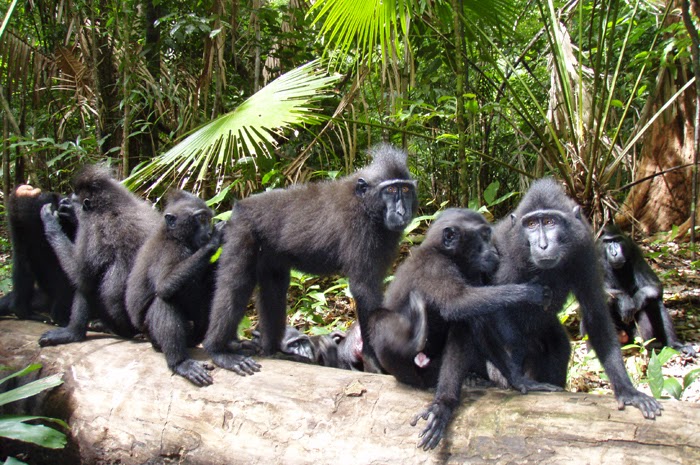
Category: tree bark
<point>665,200</point>
<point>124,406</point>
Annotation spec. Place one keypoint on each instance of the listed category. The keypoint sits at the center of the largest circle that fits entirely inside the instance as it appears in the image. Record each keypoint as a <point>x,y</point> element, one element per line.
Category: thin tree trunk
<point>695,46</point>
<point>459,114</point>
<point>665,200</point>
<point>106,83</point>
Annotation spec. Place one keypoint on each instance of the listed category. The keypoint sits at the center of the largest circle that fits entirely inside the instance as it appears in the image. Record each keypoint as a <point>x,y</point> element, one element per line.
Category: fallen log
<point>124,406</point>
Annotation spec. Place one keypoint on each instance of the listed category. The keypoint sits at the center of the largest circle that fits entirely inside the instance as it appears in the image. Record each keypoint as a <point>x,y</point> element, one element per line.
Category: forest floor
<point>326,309</point>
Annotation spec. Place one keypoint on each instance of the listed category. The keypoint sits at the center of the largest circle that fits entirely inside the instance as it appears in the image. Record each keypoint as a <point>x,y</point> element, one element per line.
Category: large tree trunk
<point>124,406</point>
<point>665,200</point>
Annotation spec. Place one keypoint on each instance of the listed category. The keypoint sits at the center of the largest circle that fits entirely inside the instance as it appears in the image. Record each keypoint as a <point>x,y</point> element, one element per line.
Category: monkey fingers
<point>196,372</point>
<point>526,385</point>
<point>650,407</point>
<point>437,416</point>
<point>686,350</point>
<point>239,364</point>
<point>50,219</point>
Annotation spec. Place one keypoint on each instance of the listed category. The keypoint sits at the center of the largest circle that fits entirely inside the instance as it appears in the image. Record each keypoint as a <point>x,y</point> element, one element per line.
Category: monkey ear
<point>361,187</point>
<point>513,219</point>
<point>577,212</point>
<point>449,237</point>
<point>170,220</point>
<point>87,205</point>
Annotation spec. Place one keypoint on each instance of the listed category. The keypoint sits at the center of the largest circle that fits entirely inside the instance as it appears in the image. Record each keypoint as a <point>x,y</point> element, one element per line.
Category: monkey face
<point>399,198</point>
<point>546,233</point>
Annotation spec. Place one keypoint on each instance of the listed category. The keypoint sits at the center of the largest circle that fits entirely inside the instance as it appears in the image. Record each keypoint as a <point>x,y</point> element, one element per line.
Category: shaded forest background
<point>226,98</point>
<point>485,95</point>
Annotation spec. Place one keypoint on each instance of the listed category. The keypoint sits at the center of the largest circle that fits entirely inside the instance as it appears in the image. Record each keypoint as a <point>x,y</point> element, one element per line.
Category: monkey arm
<point>190,268</point>
<point>601,333</point>
<point>457,357</point>
<point>61,244</point>
<point>645,294</point>
<point>464,302</point>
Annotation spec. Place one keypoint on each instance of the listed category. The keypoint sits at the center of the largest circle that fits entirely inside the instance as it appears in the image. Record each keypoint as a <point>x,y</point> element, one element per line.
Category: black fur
<point>37,277</point>
<point>114,224</point>
<point>548,240</point>
<point>439,290</point>
<point>336,350</point>
<point>635,293</point>
<point>171,285</point>
<point>351,226</point>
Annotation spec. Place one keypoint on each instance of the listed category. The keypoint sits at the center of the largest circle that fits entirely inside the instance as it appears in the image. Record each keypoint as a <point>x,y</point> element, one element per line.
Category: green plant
<point>17,426</point>
<point>311,303</point>
<point>658,383</point>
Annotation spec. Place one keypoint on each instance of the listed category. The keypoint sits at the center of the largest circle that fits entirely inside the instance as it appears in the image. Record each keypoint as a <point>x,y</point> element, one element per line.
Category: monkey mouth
<point>546,263</point>
<point>396,223</point>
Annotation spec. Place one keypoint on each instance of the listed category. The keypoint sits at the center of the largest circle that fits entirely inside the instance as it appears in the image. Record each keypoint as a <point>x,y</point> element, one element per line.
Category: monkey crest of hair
<point>388,162</point>
<point>96,183</point>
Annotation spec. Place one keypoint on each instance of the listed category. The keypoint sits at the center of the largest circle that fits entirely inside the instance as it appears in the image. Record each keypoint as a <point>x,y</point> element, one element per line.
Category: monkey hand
<point>239,364</point>
<point>50,219</point>
<point>626,307</point>
<point>649,406</point>
<point>686,350</point>
<point>547,296</point>
<point>438,415</point>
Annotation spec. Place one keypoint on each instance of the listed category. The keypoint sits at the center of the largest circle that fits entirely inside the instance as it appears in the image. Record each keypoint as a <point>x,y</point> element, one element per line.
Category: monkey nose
<point>399,209</point>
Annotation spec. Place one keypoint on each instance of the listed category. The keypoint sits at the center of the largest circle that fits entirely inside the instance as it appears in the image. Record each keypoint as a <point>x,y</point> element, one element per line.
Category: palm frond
<point>251,130</point>
<point>350,24</point>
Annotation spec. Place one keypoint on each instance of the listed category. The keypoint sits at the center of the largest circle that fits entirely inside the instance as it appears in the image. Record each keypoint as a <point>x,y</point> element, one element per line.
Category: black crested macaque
<point>336,350</point>
<point>114,224</point>
<point>351,226</point>
<point>442,288</point>
<point>37,276</point>
<point>548,239</point>
<point>635,293</point>
<point>444,283</point>
<point>170,288</point>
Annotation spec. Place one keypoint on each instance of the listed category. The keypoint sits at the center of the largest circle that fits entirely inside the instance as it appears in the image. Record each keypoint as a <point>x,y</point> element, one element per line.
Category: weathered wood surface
<point>125,407</point>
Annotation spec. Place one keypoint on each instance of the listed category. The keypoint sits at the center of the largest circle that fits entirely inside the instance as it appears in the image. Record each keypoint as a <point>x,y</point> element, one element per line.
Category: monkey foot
<point>195,372</point>
<point>528,385</point>
<point>239,364</point>
<point>60,336</point>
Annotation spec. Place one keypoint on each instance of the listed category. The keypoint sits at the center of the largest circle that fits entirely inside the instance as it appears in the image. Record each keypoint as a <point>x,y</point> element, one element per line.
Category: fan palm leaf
<point>251,130</point>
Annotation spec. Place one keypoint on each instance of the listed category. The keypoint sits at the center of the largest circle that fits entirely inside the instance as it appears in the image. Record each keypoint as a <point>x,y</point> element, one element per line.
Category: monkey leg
<point>168,330</point>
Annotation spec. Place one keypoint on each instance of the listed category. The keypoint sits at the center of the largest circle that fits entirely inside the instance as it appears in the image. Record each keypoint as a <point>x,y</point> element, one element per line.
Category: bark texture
<point>125,407</point>
<point>659,203</point>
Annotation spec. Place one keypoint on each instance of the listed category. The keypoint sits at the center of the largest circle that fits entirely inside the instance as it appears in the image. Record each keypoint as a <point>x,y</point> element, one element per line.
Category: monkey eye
<point>532,224</point>
<point>549,222</point>
<point>202,220</point>
<point>405,189</point>
<point>391,189</point>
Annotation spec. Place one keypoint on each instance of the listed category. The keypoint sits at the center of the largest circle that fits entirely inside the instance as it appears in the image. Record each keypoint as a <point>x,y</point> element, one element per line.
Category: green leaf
<point>216,255</point>
<point>490,192</point>
<point>36,434</point>
<point>13,461</point>
<point>31,389</point>
<point>655,376</point>
<point>690,377</point>
<point>673,387</point>
<point>22,372</point>
<point>251,130</point>
<point>666,354</point>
